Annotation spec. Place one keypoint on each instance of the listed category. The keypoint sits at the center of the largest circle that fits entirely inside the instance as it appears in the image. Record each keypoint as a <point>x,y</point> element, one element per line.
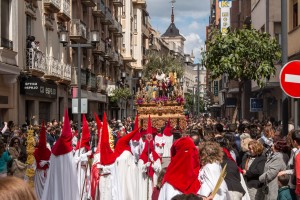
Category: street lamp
<point>181,83</point>
<point>64,39</point>
<point>139,74</point>
<point>123,75</point>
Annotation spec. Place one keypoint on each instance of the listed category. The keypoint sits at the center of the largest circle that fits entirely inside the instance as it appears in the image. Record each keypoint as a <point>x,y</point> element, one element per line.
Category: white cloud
<point>191,18</point>
<point>193,43</point>
<point>182,8</point>
<point>194,26</point>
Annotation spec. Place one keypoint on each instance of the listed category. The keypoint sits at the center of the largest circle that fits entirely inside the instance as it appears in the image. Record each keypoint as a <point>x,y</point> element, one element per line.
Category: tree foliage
<point>120,93</point>
<point>189,101</point>
<point>244,54</point>
<point>166,63</point>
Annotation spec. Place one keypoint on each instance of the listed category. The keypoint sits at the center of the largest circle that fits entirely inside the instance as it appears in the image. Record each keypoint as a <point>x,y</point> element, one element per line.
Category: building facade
<point>38,78</point>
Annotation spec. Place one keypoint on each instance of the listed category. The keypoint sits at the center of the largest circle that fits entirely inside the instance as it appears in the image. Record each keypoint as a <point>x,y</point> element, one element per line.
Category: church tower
<point>173,37</point>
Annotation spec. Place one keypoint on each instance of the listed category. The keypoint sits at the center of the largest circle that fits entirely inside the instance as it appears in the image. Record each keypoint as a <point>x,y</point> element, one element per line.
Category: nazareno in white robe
<point>83,172</point>
<point>208,176</point>
<point>40,177</point>
<point>61,182</point>
<point>106,185</point>
<point>167,192</point>
<point>144,181</point>
<point>126,177</point>
<point>168,145</point>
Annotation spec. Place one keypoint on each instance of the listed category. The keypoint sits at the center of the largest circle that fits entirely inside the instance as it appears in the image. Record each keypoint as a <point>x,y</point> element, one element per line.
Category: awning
<point>91,96</point>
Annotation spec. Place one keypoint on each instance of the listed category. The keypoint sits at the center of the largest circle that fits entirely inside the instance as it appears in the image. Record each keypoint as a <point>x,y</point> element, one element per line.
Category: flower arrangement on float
<point>180,100</point>
<point>160,100</point>
<point>139,100</point>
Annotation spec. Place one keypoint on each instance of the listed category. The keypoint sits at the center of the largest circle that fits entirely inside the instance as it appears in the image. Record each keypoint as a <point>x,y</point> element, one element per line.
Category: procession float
<point>162,98</point>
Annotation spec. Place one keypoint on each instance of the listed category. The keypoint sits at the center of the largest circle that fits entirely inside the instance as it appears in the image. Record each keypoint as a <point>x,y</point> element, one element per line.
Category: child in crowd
<point>284,189</point>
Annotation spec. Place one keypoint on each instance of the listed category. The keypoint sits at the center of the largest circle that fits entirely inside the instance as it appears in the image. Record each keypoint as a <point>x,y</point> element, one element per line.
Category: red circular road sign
<point>290,79</point>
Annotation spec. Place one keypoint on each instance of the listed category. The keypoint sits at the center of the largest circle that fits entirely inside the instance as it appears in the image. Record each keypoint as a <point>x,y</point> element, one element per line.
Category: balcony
<point>88,3</point>
<point>121,62</point>
<point>100,48</point>
<point>108,54</point>
<point>36,62</point>
<point>78,31</point>
<point>108,17</point>
<point>52,6</point>
<point>141,2</point>
<point>115,57</point>
<point>66,74</point>
<point>99,10</point>
<point>65,12</point>
<point>145,31</point>
<point>91,81</point>
<point>54,70</point>
<point>6,43</point>
<point>101,84</point>
<point>118,3</point>
<point>115,27</point>
<point>293,43</point>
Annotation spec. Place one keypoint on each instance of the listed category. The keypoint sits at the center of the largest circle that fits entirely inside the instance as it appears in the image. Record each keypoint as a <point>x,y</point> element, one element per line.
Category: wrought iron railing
<point>100,6</point>
<point>78,28</point>
<point>115,56</point>
<point>36,60</point>
<point>108,14</point>
<point>65,7</point>
<point>57,3</point>
<point>92,81</point>
<point>67,71</point>
<point>101,46</point>
<point>118,25</point>
<point>54,67</point>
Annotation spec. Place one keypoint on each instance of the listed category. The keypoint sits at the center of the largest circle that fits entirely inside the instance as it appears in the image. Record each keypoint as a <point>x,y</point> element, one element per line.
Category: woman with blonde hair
<point>16,189</point>
<point>253,164</point>
<point>211,156</point>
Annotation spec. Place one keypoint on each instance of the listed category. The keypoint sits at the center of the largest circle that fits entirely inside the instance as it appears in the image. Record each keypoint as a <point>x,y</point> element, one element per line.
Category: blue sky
<point>191,18</point>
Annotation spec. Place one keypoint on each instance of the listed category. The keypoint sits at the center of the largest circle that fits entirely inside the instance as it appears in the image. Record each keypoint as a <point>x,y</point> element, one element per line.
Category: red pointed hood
<point>182,172</point>
<point>123,143</point>
<point>149,128</point>
<point>99,128</point>
<point>168,129</point>
<point>42,152</point>
<point>99,123</point>
<point>64,143</point>
<point>137,136</point>
<point>85,136</point>
<point>107,156</point>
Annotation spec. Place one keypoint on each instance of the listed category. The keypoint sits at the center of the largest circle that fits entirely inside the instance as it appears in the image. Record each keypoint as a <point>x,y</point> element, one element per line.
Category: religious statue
<point>140,85</point>
<point>160,76</point>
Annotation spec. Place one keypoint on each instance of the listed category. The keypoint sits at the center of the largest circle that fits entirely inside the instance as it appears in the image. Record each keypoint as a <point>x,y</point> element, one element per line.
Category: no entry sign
<point>290,79</point>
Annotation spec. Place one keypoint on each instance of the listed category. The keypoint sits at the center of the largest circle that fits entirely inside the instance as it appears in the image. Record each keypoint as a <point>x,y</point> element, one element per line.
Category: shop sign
<point>35,87</point>
<point>256,105</point>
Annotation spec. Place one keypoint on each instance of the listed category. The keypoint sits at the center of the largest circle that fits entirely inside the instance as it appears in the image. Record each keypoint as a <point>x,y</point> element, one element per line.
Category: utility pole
<point>198,88</point>
<point>284,54</point>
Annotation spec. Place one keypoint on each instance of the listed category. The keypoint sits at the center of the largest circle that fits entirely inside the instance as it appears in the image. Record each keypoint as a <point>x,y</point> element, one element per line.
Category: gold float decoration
<point>160,113</point>
<point>30,172</point>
